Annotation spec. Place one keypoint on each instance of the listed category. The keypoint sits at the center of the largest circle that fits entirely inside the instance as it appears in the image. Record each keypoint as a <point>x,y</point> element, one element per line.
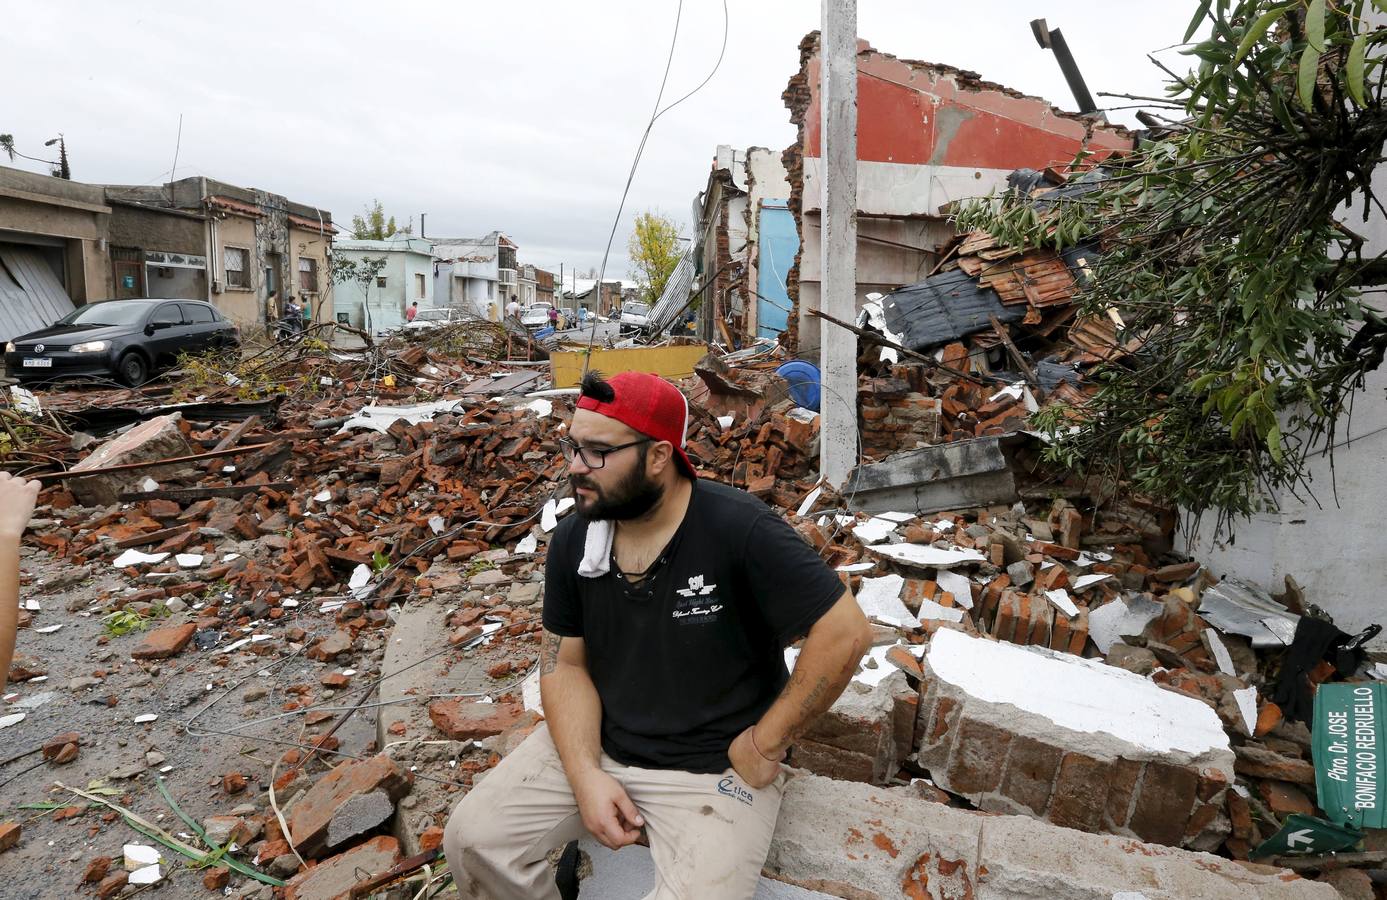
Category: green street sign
<point>1349,753</point>
<point>1306,834</point>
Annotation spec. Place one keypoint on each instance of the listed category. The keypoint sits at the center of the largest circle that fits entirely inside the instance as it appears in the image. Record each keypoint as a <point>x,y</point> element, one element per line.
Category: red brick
<point>975,762</point>
<point>310,817</point>
<point>162,643</point>
<point>1081,793</point>
<point>1123,778</point>
<point>1284,798</point>
<point>233,782</point>
<point>111,885</point>
<point>335,876</point>
<point>9,835</point>
<point>216,879</point>
<point>1164,804</point>
<point>96,870</point>
<point>1030,773</point>
<point>1240,814</point>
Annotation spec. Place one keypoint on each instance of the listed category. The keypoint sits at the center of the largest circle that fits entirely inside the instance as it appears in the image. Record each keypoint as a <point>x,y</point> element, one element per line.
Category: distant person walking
<point>513,308</point>
<point>412,311</point>
<point>554,317</point>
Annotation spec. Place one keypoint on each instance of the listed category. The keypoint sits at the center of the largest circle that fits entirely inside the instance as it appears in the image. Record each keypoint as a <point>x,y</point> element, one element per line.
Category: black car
<point>125,339</point>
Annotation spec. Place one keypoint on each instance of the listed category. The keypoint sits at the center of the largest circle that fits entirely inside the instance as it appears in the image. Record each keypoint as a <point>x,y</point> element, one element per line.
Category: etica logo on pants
<point>729,787</point>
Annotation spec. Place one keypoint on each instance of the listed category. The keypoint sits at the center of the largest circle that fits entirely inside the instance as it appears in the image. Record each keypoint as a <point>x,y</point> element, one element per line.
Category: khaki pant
<point>709,834</point>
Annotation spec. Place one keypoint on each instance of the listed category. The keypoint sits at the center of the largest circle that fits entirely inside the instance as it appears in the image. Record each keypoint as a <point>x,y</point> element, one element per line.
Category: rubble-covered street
<point>294,647</point>
<point>1062,410</point>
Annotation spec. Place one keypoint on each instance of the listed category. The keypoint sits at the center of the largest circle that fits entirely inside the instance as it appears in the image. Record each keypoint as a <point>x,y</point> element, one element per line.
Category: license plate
<point>38,363</point>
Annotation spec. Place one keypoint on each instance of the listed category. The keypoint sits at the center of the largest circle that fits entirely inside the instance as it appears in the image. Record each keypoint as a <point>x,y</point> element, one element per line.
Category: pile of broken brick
<point>1047,657</point>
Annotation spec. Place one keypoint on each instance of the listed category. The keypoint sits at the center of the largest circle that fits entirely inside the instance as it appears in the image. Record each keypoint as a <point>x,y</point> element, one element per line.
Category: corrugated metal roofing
<point>944,308</point>
<point>675,294</point>
<point>31,297</point>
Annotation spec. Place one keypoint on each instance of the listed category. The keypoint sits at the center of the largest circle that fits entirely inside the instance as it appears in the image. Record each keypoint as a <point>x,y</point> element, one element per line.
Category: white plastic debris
<point>874,530</point>
<point>25,401</point>
<point>549,516</point>
<point>1110,622</point>
<point>147,875</point>
<point>1246,698</point>
<point>11,719</point>
<point>897,517</point>
<point>1084,582</point>
<point>48,629</point>
<point>149,484</point>
<point>529,692</point>
<point>1221,654</point>
<point>135,558</point>
<point>189,560</point>
<point>857,567</point>
<point>32,605</point>
<point>145,718</point>
<point>931,610</point>
<point>527,545</point>
<point>380,418</point>
<point>437,524</point>
<point>1012,390</point>
<point>880,599</point>
<point>138,856</point>
<point>809,502</point>
<point>361,576</point>
<point>921,555</point>
<point>541,407</point>
<point>288,603</point>
<point>232,380</point>
<point>725,421</point>
<point>958,585</point>
<point>1060,597</point>
<point>322,496</point>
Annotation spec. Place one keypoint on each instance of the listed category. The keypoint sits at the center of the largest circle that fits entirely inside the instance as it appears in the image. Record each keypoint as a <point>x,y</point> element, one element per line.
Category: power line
<point>640,149</point>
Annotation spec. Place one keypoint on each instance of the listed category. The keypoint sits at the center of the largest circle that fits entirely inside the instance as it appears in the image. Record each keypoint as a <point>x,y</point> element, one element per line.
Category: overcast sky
<point>521,116</point>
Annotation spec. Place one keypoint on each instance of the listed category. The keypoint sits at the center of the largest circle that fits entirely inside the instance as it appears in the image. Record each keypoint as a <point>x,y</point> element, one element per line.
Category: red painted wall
<point>917,115</point>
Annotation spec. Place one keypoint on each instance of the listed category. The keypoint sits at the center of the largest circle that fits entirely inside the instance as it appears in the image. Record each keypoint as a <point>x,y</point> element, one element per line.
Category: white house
<point>475,273</point>
<point>406,278</point>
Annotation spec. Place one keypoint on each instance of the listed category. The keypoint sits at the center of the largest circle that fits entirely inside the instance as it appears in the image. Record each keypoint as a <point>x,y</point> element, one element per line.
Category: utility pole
<point>422,216</point>
<point>838,295</point>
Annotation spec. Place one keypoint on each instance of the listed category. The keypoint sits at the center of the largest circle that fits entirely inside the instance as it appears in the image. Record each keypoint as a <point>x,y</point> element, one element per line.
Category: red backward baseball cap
<point>650,405</point>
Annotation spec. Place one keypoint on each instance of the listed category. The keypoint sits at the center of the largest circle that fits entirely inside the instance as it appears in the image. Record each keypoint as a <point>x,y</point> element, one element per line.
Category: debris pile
<point>345,570</point>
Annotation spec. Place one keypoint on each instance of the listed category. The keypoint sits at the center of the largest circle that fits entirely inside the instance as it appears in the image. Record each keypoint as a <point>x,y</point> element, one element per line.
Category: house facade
<point>928,135</point>
<point>255,246</point>
<point>406,278</point>
<point>475,273</point>
<point>54,236</point>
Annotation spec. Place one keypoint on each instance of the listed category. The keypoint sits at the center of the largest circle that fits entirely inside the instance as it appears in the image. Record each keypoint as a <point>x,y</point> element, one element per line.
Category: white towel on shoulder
<point>597,549</point>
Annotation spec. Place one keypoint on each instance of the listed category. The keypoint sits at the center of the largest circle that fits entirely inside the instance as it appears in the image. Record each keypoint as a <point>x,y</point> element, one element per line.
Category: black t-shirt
<point>683,669</point>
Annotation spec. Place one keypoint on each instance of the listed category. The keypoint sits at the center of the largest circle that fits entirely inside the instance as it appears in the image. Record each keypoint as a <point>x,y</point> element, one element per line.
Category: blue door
<point>779,243</point>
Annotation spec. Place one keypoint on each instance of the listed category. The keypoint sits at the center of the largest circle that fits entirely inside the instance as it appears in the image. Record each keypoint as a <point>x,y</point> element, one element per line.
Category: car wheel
<point>132,369</point>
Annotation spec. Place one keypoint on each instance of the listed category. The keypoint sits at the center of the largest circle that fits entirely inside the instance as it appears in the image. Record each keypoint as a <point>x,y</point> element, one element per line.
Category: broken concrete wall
<point>1076,742</point>
<point>928,135</point>
<point>850,840</point>
<point>158,438</point>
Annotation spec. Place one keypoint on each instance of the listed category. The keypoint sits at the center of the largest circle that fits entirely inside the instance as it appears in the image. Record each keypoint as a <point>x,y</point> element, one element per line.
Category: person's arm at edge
<point>573,712</point>
<point>826,663</point>
<point>17,499</point>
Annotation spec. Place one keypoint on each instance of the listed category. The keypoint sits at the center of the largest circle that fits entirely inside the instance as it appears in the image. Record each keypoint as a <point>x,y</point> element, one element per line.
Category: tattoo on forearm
<point>549,653</point>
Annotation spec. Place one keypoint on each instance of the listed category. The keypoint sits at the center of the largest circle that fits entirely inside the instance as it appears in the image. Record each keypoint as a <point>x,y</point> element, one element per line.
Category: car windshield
<point>432,315</point>
<point>109,313</point>
<point>636,309</point>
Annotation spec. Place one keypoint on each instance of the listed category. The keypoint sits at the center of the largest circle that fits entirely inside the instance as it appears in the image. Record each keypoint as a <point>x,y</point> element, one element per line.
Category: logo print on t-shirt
<point>691,606</point>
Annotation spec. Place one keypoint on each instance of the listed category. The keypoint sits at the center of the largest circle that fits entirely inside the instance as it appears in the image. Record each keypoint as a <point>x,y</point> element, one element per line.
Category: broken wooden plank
<point>151,464</point>
<point>187,495</point>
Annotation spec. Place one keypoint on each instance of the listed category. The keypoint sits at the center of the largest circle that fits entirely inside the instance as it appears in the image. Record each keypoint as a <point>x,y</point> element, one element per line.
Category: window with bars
<point>236,261</point>
<point>308,275</point>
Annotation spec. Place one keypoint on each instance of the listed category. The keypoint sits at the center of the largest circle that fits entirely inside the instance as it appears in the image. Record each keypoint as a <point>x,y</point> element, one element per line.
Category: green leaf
<point>1305,81</point>
<point>1199,15</point>
<point>1274,442</point>
<point>1353,71</point>
<point>1257,31</point>
<point>1314,25</point>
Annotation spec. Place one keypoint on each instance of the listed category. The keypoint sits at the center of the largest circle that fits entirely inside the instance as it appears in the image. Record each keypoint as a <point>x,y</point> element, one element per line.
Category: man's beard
<point>631,498</point>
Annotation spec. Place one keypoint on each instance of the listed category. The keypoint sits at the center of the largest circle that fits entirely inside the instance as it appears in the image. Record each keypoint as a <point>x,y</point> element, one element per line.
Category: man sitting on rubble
<point>668,604</point>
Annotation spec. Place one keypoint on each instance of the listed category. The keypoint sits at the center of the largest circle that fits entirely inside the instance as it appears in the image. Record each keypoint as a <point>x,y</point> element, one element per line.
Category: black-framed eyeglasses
<point>593,457</point>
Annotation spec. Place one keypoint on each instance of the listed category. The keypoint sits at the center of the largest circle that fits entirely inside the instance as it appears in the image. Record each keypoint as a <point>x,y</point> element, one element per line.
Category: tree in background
<point>654,252</point>
<point>374,226</point>
<point>364,273</point>
<point>1218,243</point>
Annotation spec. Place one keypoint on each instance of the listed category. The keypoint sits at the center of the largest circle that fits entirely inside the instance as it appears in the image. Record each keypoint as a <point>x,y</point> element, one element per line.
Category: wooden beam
<point>152,464</point>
